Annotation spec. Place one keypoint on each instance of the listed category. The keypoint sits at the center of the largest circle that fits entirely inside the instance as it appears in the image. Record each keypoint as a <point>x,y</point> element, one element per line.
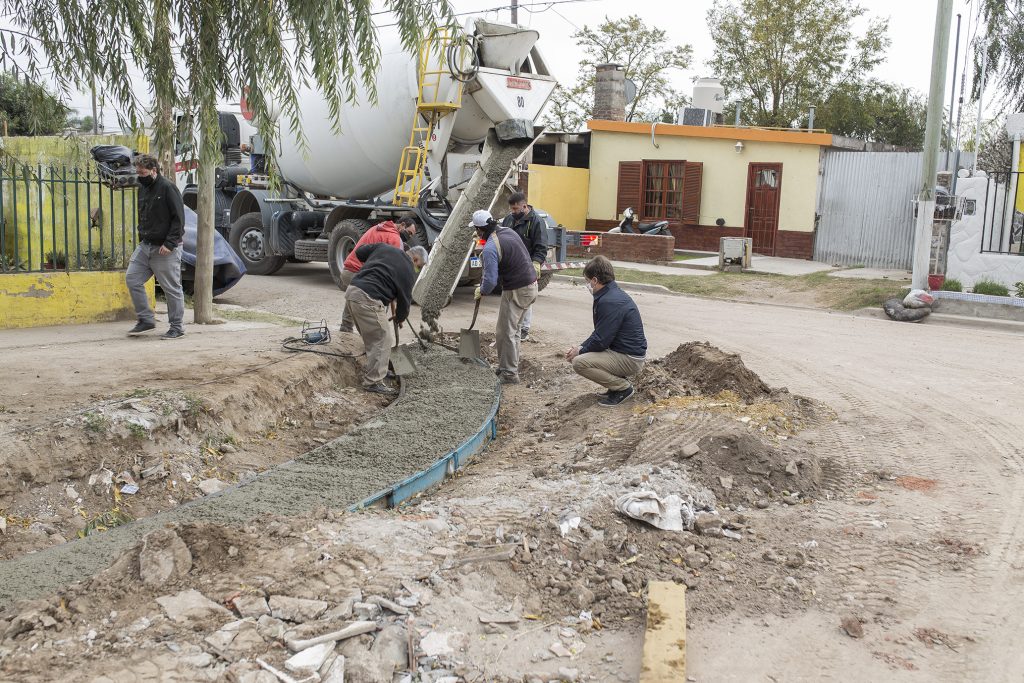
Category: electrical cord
<point>288,344</point>
<point>472,43</point>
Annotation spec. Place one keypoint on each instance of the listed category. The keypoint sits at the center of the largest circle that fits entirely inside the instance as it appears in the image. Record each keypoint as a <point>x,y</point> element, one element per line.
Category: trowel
<point>469,340</point>
<point>401,359</point>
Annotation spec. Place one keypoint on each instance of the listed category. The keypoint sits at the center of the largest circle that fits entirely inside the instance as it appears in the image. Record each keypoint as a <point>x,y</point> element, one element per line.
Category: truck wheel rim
<point>252,245</point>
<point>342,250</point>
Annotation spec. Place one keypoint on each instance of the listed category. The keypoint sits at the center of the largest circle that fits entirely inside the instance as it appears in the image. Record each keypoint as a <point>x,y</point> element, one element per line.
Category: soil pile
<point>700,368</point>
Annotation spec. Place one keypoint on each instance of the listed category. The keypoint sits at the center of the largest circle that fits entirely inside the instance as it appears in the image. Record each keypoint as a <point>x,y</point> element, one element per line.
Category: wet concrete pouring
<point>445,402</point>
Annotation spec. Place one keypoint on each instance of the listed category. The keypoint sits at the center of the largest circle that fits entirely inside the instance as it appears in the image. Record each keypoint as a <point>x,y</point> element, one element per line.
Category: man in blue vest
<point>508,269</point>
<point>617,349</point>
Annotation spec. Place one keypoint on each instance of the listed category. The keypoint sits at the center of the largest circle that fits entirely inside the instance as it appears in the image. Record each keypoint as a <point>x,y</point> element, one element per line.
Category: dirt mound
<point>740,466</point>
<point>699,367</point>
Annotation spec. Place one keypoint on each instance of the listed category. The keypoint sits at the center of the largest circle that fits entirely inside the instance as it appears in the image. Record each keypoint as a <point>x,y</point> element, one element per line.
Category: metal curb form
<point>441,469</point>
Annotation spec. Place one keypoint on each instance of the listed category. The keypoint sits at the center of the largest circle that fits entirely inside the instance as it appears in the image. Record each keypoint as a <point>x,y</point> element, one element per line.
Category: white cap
<point>481,218</point>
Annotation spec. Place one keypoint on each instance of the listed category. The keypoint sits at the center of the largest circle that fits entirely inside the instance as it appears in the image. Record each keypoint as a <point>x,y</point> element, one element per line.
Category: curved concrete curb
<point>628,286</point>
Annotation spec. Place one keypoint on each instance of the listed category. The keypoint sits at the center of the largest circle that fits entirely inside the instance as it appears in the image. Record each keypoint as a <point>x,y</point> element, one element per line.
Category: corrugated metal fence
<point>866,213</point>
<point>866,210</point>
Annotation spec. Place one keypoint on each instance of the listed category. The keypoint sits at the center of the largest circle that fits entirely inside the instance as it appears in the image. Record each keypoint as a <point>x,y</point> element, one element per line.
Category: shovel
<point>469,340</point>
<point>401,360</point>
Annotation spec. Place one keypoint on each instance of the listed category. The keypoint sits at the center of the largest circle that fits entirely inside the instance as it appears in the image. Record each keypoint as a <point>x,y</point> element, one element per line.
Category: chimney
<point>610,93</point>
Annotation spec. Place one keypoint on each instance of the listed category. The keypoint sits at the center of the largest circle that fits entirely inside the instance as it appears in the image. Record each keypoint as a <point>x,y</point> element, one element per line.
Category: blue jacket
<point>617,324</point>
<point>513,270</point>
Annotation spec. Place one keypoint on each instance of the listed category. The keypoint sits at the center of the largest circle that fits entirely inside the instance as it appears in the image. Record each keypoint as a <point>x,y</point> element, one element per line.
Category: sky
<point>908,62</point>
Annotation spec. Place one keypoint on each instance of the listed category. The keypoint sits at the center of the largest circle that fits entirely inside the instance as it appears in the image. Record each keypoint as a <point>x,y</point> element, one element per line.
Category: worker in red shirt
<point>388,232</point>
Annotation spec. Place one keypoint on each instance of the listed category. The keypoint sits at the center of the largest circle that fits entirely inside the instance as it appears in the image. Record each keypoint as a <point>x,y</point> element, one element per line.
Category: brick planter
<point>636,248</point>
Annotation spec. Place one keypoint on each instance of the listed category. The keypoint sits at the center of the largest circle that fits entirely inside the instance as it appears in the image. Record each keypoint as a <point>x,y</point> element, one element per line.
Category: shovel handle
<point>476,309</point>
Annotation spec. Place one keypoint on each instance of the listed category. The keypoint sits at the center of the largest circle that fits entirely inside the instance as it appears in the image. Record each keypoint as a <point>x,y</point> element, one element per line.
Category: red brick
<point>636,248</point>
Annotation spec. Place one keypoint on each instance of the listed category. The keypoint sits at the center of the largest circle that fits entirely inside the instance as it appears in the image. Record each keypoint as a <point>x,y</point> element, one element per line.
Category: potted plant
<point>935,281</point>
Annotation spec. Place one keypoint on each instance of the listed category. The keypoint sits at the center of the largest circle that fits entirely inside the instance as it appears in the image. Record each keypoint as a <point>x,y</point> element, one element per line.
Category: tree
<point>30,109</point>
<point>194,52</point>
<point>777,57</point>
<point>876,112</point>
<point>85,125</point>
<point>1003,42</point>
<point>647,58</point>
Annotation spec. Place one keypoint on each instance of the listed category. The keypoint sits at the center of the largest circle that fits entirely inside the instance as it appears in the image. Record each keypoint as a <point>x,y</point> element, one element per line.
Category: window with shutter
<point>630,173</point>
<point>663,190</point>
<point>692,178</point>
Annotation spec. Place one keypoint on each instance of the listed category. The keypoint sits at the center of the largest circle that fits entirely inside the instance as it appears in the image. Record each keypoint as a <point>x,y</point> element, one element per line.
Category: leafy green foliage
<point>991,288</point>
<point>952,285</point>
<point>30,109</point>
<point>1003,41</point>
<point>647,59</point>
<point>778,57</point>
<point>1019,286</point>
<point>876,112</point>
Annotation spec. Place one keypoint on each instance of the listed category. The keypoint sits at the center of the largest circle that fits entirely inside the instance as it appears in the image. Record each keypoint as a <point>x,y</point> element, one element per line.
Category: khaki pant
<point>371,320</point>
<point>514,305</point>
<point>610,369</point>
<point>346,280</point>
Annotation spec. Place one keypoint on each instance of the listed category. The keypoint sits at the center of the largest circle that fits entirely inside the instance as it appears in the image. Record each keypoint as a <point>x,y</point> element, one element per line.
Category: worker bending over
<point>385,278</point>
<point>533,230</point>
<point>616,350</point>
<point>506,269</point>
<point>387,232</point>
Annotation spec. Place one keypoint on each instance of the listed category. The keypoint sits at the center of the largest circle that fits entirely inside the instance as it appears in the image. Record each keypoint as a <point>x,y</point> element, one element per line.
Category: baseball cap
<point>481,218</point>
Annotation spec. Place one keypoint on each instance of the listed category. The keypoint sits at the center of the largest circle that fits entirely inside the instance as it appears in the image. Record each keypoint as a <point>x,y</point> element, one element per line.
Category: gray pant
<point>146,262</point>
<point>610,369</point>
<point>514,305</point>
<point>527,320</point>
<point>346,280</point>
<point>371,319</point>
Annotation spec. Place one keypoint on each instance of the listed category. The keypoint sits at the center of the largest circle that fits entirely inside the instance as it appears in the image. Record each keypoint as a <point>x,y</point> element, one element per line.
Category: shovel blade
<point>402,362</point>
<point>469,344</point>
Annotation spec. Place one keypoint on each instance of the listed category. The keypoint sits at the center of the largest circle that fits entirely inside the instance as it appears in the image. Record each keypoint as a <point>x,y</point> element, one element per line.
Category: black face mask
<point>147,180</point>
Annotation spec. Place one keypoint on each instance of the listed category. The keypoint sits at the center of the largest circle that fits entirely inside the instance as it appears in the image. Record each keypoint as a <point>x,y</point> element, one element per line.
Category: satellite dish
<point>630,90</point>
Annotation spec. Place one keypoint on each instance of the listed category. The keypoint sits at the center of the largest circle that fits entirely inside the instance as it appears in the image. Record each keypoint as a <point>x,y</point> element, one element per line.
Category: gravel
<point>445,402</point>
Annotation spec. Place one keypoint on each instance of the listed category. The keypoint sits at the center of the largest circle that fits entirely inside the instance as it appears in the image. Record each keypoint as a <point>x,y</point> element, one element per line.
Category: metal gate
<point>865,209</point>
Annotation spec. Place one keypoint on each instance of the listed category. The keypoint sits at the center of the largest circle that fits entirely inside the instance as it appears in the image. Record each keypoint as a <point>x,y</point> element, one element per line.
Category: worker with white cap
<point>508,270</point>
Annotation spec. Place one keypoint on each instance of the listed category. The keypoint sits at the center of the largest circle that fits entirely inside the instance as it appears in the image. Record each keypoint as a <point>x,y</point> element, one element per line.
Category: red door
<point>764,182</point>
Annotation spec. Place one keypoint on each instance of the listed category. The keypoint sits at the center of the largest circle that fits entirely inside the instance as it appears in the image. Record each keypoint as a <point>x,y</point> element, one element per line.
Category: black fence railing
<point>1004,214</point>
<point>63,218</point>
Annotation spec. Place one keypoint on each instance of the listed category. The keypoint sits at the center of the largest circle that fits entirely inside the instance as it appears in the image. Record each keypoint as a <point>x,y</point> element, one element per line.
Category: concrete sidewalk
<point>767,265</point>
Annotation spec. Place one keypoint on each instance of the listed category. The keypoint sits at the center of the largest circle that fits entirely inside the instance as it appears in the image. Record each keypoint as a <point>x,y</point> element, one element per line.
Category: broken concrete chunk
<point>253,606</point>
<point>310,659</point>
<point>296,609</point>
<point>164,557</point>
<point>436,644</point>
<point>707,522</point>
<point>499,618</point>
<point>387,604</point>
<point>211,486</point>
<point>690,450</point>
<point>392,645</point>
<point>367,610</point>
<point>335,672</point>
<point>560,650</point>
<point>271,628</point>
<point>191,605</point>
<point>792,469</point>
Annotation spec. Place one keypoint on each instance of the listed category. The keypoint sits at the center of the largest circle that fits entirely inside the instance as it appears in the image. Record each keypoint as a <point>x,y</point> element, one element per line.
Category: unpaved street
<point>924,540</point>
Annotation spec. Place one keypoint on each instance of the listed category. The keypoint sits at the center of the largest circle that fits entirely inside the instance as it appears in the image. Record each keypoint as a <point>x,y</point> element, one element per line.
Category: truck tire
<point>343,240</point>
<point>247,239</point>
<point>310,250</point>
<point>544,280</point>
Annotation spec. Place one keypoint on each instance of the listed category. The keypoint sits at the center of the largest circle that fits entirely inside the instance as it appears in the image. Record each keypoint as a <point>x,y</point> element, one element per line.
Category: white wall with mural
<point>986,242</point>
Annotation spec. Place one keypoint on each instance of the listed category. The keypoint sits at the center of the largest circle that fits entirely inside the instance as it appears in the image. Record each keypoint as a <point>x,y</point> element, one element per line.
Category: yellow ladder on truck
<point>431,107</point>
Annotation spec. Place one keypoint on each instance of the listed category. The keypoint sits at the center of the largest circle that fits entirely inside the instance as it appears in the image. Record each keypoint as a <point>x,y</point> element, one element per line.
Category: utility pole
<point>932,133</point>
<point>981,105</point>
<point>952,94</point>
<point>515,11</point>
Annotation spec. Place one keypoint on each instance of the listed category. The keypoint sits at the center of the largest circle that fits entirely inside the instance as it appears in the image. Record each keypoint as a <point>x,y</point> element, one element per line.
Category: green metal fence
<point>63,218</point>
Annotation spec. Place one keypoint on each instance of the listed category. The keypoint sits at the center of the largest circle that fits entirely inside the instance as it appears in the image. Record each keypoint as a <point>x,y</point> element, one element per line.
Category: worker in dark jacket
<point>506,268</point>
<point>616,350</point>
<point>533,230</point>
<point>385,280</point>
<point>161,226</point>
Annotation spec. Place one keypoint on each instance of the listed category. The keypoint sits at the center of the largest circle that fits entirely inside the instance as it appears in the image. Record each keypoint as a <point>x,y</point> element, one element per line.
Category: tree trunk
<point>163,86</point>
<point>209,151</point>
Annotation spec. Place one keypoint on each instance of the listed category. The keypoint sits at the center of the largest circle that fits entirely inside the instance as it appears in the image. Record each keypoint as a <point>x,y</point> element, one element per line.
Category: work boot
<point>614,398</point>
<point>346,329</point>
<point>379,388</point>
<point>509,378</point>
<point>172,333</point>
<point>524,335</point>
<point>141,327</point>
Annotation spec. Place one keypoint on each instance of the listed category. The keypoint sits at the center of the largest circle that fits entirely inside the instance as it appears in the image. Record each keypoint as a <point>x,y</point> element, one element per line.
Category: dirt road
<point>926,546</point>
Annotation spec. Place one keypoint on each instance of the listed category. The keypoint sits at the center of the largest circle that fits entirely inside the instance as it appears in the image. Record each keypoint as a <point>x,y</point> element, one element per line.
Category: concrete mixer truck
<point>414,150</point>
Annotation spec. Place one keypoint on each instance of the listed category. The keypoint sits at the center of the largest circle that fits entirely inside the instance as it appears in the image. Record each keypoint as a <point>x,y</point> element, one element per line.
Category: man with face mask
<point>161,225</point>
<point>506,269</point>
<point>616,350</point>
<point>533,231</point>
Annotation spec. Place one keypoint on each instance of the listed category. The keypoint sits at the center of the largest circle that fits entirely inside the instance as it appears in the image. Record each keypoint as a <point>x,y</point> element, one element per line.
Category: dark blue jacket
<point>512,270</point>
<point>617,324</point>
